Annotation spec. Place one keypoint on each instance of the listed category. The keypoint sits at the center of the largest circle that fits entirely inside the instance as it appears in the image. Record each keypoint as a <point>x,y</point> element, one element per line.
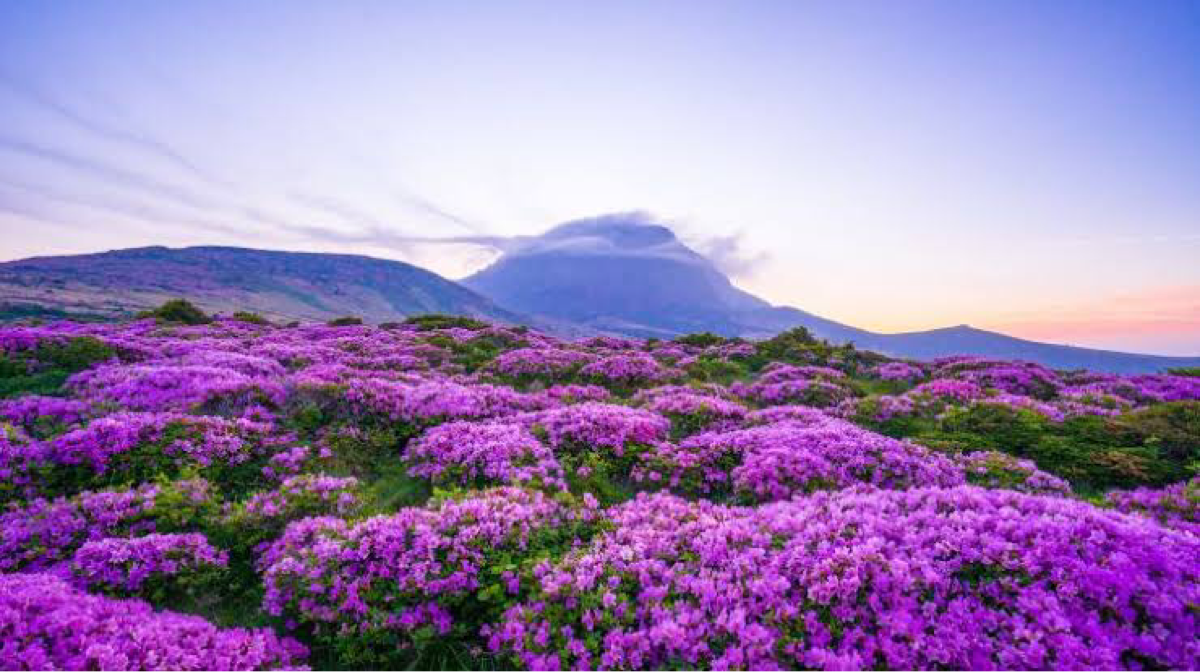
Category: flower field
<point>446,493</point>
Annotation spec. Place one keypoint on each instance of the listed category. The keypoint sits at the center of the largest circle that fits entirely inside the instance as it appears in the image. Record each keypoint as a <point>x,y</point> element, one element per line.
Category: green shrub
<point>177,311</point>
<point>1154,446</point>
<point>348,321</point>
<point>433,321</point>
<point>704,339</point>
<point>251,318</point>
<point>995,426</point>
<point>44,369</point>
<point>1173,428</point>
<point>712,370</point>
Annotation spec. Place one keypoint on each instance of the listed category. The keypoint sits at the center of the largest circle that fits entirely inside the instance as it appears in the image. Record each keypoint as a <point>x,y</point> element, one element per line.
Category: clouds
<point>728,255</point>
<point>902,169</point>
<point>640,233</point>
<point>99,128</point>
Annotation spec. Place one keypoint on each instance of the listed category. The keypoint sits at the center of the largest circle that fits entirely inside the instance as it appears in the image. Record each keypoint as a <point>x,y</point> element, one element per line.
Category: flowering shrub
<point>1023,378</point>
<point>135,446</point>
<point>156,387</point>
<point>898,371</point>
<point>691,411</point>
<point>949,578</point>
<point>152,564</point>
<point>804,415</point>
<point>590,425</point>
<point>806,392</point>
<point>46,624</point>
<point>43,415</point>
<point>992,469</point>
<point>781,460</point>
<point>1048,411</point>
<point>390,579</point>
<point>628,370</point>
<point>779,372</point>
<point>574,394</point>
<point>434,402</point>
<point>264,515</point>
<point>1176,506</point>
<point>546,363</point>
<point>946,390</point>
<point>465,453</point>
<point>43,532</point>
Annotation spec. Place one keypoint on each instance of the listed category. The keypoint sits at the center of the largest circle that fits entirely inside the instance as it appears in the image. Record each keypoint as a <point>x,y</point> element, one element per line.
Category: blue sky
<point>1032,167</point>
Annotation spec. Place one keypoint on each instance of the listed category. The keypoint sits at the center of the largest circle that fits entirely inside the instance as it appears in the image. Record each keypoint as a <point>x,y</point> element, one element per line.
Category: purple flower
<point>46,624</point>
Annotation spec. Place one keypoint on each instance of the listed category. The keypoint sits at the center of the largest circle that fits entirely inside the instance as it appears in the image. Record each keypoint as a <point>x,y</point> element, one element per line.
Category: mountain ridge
<point>277,284</point>
<point>608,275</point>
<point>626,269</point>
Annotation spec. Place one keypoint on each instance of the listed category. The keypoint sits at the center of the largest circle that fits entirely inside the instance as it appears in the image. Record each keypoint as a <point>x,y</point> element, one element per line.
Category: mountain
<point>617,274</point>
<point>278,285</point>
<point>627,274</point>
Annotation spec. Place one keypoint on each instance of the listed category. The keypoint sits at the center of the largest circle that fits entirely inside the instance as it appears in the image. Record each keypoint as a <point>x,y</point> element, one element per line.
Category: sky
<point>1028,167</point>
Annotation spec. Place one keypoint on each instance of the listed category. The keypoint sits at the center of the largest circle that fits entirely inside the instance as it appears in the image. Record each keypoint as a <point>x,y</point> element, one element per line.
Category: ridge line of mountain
<point>289,285</point>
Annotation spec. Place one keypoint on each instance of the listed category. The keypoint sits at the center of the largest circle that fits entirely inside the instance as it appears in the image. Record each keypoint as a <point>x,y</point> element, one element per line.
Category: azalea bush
<point>394,585</point>
<point>948,575</point>
<point>47,624</point>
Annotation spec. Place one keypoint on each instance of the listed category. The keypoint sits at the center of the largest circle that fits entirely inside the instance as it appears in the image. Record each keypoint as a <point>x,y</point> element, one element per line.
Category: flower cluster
<point>1176,506</point>
<point>898,371</point>
<point>126,566</point>
<point>817,392</point>
<point>465,453</point>
<point>418,567</point>
<point>948,390</point>
<point>778,461</point>
<point>298,497</point>
<point>35,412</point>
<point>778,373</point>
<point>930,578</point>
<point>589,425</point>
<point>691,411</point>
<point>626,369</point>
<point>160,387</point>
<point>547,363</point>
<point>42,533</point>
<point>437,401</point>
<point>1024,378</point>
<point>992,469</point>
<point>46,624</point>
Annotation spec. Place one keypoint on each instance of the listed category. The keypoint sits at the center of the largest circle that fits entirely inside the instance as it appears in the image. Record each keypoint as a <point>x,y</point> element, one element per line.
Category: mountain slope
<point>281,285</point>
<point>617,273</point>
<point>627,274</point>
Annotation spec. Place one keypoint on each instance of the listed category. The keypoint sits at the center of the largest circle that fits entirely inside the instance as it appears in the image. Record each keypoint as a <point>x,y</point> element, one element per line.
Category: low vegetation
<point>448,493</point>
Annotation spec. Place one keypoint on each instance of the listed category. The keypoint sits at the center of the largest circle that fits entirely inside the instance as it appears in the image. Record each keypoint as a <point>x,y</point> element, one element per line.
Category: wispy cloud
<point>387,238</point>
<point>108,172</point>
<point>338,208</point>
<point>727,253</point>
<point>106,131</point>
<point>146,214</point>
<point>427,207</point>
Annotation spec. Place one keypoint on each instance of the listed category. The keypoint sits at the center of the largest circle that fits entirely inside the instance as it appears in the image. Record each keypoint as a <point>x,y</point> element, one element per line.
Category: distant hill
<point>624,274</point>
<point>278,285</point>
<point>618,274</point>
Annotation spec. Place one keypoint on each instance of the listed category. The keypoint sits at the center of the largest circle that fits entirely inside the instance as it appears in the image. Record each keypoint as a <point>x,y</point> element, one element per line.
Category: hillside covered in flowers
<point>182,492</point>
